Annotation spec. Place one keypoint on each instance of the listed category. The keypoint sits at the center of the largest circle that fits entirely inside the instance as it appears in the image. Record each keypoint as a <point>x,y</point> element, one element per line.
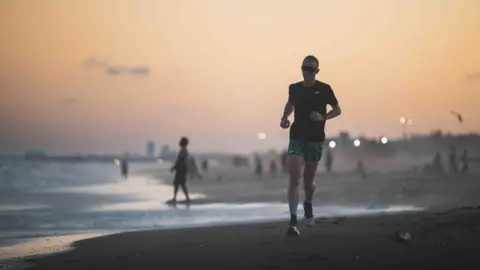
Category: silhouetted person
<point>205,165</point>
<point>273,167</point>
<point>124,167</point>
<point>181,170</point>
<point>329,161</point>
<point>452,159</point>
<point>284,160</point>
<point>193,169</point>
<point>464,161</point>
<point>361,169</point>
<point>258,165</point>
<point>308,100</point>
<point>437,166</point>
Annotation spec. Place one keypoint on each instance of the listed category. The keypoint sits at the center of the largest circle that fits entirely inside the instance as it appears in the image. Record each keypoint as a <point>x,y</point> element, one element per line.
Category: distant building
<point>164,151</point>
<point>34,154</point>
<point>151,149</point>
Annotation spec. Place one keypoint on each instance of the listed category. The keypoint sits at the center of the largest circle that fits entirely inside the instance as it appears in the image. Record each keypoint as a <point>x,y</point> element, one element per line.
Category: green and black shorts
<point>311,151</point>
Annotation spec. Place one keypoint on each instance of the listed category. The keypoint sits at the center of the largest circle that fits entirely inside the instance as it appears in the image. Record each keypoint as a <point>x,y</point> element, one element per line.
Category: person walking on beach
<point>124,167</point>
<point>284,159</point>
<point>361,170</point>
<point>308,100</point>
<point>258,165</point>
<point>273,168</point>
<point>452,160</point>
<point>205,165</point>
<point>464,161</point>
<point>181,170</point>
<point>437,165</point>
<point>329,161</point>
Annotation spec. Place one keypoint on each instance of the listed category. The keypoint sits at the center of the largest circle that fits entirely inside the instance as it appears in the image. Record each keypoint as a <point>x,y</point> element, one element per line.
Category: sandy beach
<point>444,236</point>
<point>439,240</point>
<point>228,184</point>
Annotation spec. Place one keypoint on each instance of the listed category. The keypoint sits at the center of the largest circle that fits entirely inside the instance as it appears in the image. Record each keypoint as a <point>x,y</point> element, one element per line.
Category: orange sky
<point>219,70</point>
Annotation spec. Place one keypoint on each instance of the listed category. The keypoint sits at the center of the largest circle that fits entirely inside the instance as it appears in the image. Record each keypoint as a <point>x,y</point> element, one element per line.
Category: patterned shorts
<point>311,151</point>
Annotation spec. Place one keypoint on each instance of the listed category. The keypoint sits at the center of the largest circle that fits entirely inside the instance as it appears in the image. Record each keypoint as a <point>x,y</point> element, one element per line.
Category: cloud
<point>116,70</point>
<point>70,101</point>
<point>92,62</point>
<point>137,71</point>
<point>473,77</point>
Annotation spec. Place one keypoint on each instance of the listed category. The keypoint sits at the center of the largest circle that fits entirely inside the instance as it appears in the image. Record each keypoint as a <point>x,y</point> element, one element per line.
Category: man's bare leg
<point>309,179</point>
<point>309,187</point>
<point>295,169</point>
<point>175,191</point>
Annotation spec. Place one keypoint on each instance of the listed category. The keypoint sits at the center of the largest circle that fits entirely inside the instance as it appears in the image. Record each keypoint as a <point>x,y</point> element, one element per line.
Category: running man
<point>308,99</point>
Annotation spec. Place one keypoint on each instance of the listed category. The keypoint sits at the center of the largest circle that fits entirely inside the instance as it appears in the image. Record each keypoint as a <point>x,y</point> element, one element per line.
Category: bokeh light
<point>332,144</point>
<point>356,143</point>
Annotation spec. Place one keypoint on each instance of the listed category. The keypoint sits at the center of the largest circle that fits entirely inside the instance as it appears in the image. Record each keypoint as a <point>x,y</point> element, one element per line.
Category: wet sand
<point>43,245</point>
<point>441,239</point>
<point>336,243</point>
<point>229,184</point>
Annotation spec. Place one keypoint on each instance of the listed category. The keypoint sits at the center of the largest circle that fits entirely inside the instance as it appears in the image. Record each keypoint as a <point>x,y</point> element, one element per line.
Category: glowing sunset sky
<point>103,76</point>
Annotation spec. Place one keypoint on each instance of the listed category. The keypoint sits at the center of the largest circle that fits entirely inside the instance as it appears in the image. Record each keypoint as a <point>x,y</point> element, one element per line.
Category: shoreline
<point>17,255</point>
<point>337,190</point>
<point>240,187</point>
<point>42,245</point>
<point>363,242</point>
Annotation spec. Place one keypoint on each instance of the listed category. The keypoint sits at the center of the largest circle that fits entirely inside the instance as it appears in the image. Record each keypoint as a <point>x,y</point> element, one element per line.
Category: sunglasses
<point>309,69</point>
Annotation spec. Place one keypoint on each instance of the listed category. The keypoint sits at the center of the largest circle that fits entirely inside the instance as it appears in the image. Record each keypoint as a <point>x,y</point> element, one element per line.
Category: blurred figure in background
<point>273,168</point>
<point>452,160</point>
<point>464,161</point>
<point>284,159</point>
<point>258,165</point>
<point>437,166</point>
<point>361,170</point>
<point>124,167</point>
<point>329,161</point>
<point>205,165</point>
<point>193,169</point>
<point>181,170</point>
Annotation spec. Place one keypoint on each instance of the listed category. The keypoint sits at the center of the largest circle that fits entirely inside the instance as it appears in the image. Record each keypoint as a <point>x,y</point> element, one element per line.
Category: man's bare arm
<point>180,155</point>
<point>288,110</point>
<point>174,167</point>
<point>336,111</point>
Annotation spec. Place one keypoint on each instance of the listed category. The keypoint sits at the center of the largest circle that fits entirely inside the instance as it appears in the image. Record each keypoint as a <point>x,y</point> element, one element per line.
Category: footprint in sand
<point>315,257</point>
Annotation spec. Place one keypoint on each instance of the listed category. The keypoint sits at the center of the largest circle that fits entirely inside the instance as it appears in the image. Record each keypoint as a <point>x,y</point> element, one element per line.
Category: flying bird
<point>458,115</point>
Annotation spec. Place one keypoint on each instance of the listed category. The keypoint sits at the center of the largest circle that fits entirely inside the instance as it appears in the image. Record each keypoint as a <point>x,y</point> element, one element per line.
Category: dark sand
<point>442,239</point>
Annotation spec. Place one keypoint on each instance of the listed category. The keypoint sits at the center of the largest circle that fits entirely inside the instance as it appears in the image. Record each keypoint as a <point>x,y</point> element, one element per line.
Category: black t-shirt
<point>306,100</point>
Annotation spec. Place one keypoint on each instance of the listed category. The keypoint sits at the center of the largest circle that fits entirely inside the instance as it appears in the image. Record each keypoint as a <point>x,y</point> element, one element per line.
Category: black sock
<point>293,220</point>
<point>308,209</point>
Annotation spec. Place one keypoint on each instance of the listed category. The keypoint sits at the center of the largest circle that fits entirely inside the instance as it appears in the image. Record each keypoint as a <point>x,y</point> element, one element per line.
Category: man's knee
<point>309,186</point>
<point>294,180</point>
<point>309,173</point>
<point>294,183</point>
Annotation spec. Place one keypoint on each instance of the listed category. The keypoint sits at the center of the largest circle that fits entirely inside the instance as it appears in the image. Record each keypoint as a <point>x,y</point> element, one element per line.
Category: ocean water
<point>40,199</point>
